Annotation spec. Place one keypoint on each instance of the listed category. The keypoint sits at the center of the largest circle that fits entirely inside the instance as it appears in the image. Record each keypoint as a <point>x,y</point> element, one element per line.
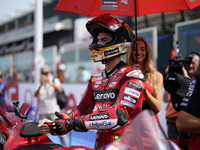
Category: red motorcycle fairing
<point>10,126</point>
<point>13,133</point>
<point>18,134</point>
<point>137,135</point>
<point>77,147</point>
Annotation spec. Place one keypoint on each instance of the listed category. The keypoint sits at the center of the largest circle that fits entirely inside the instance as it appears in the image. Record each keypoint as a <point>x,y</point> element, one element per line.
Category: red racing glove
<point>62,115</point>
<point>61,126</point>
<point>79,124</point>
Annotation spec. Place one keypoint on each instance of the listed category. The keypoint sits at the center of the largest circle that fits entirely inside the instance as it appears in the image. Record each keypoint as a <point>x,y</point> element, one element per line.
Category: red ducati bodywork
<point>17,131</point>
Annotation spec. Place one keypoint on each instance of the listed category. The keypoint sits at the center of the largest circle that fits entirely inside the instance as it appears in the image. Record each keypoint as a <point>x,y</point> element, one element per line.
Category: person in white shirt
<point>46,94</point>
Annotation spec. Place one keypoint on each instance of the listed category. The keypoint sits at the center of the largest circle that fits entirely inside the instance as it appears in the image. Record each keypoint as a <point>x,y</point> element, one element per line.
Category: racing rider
<point>116,91</point>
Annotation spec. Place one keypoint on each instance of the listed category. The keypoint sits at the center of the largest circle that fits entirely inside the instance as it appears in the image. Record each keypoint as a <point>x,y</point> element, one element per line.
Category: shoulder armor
<point>136,73</point>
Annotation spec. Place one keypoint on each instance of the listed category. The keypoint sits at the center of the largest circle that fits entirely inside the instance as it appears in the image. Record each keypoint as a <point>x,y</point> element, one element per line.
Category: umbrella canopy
<point>124,7</point>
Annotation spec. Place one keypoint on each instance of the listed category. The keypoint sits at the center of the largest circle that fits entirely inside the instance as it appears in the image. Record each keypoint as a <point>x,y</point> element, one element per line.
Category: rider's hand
<point>44,128</point>
<point>62,115</point>
<point>79,124</point>
<point>61,126</point>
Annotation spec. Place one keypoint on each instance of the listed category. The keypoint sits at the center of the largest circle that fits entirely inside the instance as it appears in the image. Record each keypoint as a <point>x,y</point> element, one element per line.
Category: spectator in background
<point>153,93</point>
<point>189,71</point>
<point>63,75</point>
<point>47,97</point>
<point>83,75</point>
<point>61,72</point>
<point>188,119</point>
<point>16,77</point>
<point>2,90</point>
<point>171,115</point>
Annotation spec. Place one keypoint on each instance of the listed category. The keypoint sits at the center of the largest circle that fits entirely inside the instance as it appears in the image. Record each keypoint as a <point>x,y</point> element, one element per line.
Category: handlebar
<point>17,111</point>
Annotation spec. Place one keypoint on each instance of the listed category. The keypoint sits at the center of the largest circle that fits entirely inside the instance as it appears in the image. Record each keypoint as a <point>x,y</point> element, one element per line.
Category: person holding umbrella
<point>153,93</point>
<point>116,91</point>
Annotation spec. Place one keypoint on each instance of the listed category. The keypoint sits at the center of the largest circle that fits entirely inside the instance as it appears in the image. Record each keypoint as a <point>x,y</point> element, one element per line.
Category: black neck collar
<point>114,70</point>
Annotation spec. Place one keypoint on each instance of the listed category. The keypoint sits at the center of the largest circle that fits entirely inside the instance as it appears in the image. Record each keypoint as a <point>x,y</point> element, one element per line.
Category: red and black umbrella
<point>125,7</point>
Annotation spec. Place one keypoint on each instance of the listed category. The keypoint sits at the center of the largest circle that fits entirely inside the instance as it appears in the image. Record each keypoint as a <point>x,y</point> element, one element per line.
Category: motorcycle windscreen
<point>142,133</point>
<point>29,111</point>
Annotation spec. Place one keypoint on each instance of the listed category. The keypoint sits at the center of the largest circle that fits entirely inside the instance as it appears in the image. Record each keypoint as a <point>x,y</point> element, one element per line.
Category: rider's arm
<point>86,104</point>
<point>128,104</point>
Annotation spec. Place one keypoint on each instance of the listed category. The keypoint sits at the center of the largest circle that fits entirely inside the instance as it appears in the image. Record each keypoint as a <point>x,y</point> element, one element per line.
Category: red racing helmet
<point>120,30</point>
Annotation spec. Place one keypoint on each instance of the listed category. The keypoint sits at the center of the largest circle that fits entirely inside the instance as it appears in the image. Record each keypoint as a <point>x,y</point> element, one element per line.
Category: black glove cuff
<point>69,123</point>
<point>79,125</point>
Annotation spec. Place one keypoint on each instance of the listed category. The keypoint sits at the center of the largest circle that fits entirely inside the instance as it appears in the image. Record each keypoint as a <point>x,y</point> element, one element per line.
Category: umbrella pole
<point>136,43</point>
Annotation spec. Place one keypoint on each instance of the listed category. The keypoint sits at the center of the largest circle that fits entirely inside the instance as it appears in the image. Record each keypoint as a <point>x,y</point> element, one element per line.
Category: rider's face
<point>104,38</point>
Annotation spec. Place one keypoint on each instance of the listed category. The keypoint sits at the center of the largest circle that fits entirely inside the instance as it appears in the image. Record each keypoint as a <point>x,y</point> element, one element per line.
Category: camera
<point>176,64</point>
<point>175,83</point>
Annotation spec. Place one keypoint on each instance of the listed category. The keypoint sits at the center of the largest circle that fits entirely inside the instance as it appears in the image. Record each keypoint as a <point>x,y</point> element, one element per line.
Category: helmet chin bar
<point>105,53</point>
<point>106,60</point>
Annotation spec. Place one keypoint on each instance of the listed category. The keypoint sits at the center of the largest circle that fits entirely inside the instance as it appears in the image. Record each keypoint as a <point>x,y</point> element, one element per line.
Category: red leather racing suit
<point>117,96</point>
